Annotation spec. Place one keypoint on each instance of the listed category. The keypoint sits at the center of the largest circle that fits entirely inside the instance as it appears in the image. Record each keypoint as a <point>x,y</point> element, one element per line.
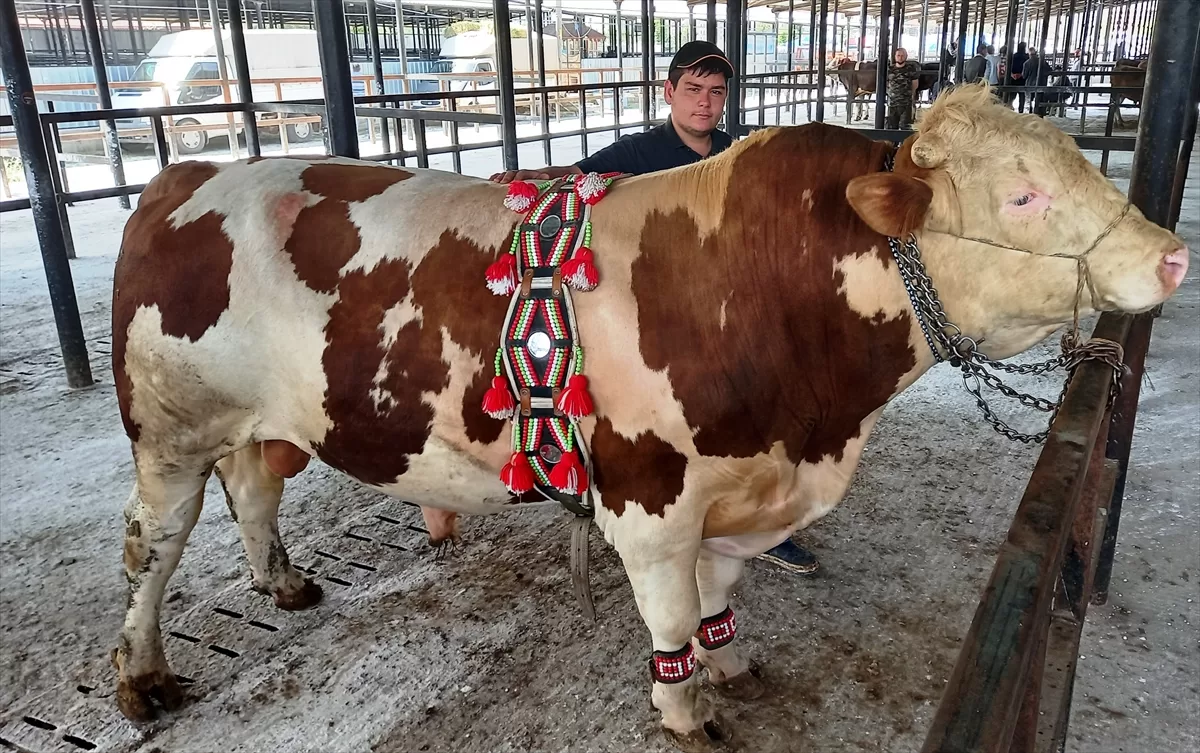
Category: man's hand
<point>511,175</point>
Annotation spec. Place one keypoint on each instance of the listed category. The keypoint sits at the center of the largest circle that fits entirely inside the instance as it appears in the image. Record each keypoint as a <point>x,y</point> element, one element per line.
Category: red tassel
<point>568,476</point>
<point>517,474</point>
<point>502,275</point>
<point>521,195</point>
<point>591,188</point>
<point>580,270</point>
<point>498,400</point>
<point>575,400</point>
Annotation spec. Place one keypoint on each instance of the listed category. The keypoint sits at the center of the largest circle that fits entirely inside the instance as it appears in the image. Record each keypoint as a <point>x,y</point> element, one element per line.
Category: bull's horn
<point>928,151</point>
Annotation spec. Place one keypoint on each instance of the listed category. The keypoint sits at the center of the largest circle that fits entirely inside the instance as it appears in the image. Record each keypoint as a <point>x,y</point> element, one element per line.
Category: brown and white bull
<point>748,330</point>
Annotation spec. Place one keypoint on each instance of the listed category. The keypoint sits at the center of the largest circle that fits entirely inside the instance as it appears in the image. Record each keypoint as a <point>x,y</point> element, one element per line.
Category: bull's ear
<point>894,205</point>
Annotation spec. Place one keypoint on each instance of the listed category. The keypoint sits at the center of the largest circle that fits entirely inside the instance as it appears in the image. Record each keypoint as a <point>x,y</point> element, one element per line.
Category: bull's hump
<point>752,323</point>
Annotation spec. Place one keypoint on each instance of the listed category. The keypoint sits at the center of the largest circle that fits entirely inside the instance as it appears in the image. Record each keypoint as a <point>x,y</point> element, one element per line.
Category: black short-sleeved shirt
<point>659,148</point>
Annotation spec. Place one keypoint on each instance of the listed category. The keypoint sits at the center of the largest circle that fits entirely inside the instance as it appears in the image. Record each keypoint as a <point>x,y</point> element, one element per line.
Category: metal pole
<point>824,19</point>
<point>924,30</point>
<point>734,29</point>
<point>53,244</point>
<point>376,59</point>
<point>403,48</point>
<point>942,72</point>
<point>543,99</point>
<point>223,70</point>
<point>883,60</point>
<point>504,79</point>
<point>240,64</point>
<point>1010,39</point>
<point>112,145</point>
<point>341,134</point>
<point>862,31</point>
<point>960,58</point>
<point>710,29</point>
<point>791,57</point>
<point>1168,95</point>
<point>648,60</point>
<point>1070,30</point>
<point>1189,136</point>
<point>1045,38</point>
<point>897,28</point>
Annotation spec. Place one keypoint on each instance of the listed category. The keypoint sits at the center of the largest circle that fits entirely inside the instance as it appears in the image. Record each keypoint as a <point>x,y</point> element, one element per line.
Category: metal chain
<point>963,352</point>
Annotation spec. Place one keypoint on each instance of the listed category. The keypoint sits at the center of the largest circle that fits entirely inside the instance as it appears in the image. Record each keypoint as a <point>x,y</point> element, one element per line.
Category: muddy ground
<point>487,651</point>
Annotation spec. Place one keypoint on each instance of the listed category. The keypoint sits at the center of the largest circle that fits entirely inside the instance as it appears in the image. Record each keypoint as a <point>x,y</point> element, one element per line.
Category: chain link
<point>963,352</point>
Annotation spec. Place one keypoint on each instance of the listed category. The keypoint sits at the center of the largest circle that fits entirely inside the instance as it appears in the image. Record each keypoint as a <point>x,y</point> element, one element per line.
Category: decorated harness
<point>539,383</point>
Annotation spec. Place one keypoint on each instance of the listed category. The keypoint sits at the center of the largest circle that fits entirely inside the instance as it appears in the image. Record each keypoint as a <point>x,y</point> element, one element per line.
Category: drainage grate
<point>215,639</point>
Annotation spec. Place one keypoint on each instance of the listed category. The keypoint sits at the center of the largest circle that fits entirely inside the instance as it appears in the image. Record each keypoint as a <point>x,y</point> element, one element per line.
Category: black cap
<point>697,51</point>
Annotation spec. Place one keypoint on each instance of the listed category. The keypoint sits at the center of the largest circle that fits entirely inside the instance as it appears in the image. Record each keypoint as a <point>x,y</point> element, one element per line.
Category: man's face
<point>697,102</point>
<point>901,56</point>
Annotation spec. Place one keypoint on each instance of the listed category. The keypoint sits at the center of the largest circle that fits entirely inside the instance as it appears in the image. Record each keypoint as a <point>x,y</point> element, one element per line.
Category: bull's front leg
<point>661,566</point>
<point>729,670</point>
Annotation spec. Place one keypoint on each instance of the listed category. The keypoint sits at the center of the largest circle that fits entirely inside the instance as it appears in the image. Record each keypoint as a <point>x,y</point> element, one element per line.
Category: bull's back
<point>335,304</point>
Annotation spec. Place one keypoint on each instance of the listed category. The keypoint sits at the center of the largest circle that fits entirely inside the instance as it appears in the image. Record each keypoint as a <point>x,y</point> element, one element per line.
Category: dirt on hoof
<point>747,686</point>
<point>306,598</point>
<point>713,737</point>
<point>136,696</point>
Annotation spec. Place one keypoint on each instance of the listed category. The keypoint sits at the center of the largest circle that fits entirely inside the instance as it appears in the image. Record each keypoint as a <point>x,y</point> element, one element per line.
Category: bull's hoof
<point>444,548</point>
<point>294,601</point>
<point>136,695</point>
<point>712,737</point>
<point>747,686</point>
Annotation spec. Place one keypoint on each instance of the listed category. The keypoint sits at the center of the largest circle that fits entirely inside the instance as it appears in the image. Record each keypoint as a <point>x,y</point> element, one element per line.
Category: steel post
<point>376,60</point>
<point>964,18</point>
<point>734,31</point>
<point>791,57</point>
<point>862,31</point>
<point>341,132</point>
<point>1045,38</point>
<point>32,145</point>
<point>547,151</point>
<point>822,21</point>
<point>924,30</point>
<point>942,72</point>
<point>883,62</point>
<point>1010,38</point>
<point>112,145</point>
<point>504,81</point>
<point>242,69</point>
<point>1189,137</point>
<point>223,70</point>
<point>710,28</point>
<point>648,59</point>
<point>1067,35</point>
<point>1167,95</point>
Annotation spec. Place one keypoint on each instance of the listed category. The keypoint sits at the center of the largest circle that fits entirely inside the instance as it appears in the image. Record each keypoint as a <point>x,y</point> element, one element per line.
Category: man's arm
<point>618,157</point>
<point>546,173</point>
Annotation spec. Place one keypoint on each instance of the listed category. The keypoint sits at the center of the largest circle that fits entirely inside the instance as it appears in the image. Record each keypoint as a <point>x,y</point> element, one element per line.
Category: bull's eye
<point>1021,201</point>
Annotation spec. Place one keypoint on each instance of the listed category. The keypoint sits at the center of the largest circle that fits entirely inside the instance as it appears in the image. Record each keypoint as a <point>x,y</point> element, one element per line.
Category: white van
<point>178,62</point>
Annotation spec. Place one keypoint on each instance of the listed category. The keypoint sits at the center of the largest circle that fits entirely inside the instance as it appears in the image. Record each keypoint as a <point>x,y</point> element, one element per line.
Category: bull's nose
<point>1173,267</point>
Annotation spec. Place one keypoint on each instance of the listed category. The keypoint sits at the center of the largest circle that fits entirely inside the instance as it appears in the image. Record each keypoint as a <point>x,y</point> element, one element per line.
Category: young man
<point>696,91</point>
<point>975,69</point>
<point>902,79</point>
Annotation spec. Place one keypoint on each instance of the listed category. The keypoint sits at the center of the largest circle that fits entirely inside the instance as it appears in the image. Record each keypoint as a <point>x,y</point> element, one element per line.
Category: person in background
<point>993,74</point>
<point>1016,77</point>
<point>902,79</point>
<point>695,90</point>
<point>975,69</point>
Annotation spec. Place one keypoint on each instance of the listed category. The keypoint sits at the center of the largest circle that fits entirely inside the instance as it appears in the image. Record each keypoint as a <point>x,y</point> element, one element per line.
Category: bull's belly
<point>447,478</point>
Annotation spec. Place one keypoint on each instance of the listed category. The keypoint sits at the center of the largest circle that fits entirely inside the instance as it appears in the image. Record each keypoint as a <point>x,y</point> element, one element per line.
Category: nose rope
<point>1083,270</point>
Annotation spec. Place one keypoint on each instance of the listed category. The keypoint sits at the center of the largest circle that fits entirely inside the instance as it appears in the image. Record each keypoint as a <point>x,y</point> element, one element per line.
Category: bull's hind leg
<point>253,492</point>
<point>728,668</point>
<point>161,512</point>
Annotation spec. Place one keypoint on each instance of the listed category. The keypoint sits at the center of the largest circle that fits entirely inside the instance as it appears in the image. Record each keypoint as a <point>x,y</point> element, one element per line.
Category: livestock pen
<point>452,656</point>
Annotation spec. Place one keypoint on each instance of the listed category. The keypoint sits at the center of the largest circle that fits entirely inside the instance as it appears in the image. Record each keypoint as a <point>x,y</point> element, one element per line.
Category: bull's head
<point>1022,190</point>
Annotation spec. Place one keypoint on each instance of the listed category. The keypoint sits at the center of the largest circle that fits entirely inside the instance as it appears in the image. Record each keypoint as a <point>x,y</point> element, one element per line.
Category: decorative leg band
<point>670,667</point>
<point>717,631</point>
